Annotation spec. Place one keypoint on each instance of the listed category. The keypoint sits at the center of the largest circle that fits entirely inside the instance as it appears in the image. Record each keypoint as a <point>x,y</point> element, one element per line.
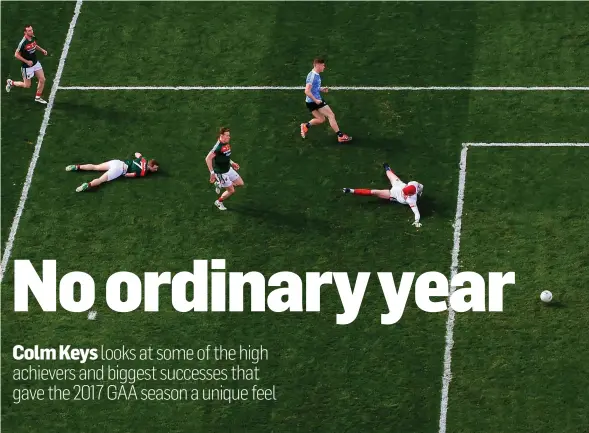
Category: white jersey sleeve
<point>412,202</point>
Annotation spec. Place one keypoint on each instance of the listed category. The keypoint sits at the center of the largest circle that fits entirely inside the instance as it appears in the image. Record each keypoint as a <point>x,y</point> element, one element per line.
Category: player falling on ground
<point>316,105</point>
<point>222,168</point>
<point>115,168</point>
<point>26,52</point>
<point>400,192</point>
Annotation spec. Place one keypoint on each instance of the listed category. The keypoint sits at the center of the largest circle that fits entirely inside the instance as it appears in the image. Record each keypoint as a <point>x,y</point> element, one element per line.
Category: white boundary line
<point>361,88</point>
<point>526,144</point>
<point>40,137</point>
<point>447,374</point>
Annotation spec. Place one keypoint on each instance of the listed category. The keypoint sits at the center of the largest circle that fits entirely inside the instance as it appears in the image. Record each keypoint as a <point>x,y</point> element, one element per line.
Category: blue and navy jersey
<point>314,78</point>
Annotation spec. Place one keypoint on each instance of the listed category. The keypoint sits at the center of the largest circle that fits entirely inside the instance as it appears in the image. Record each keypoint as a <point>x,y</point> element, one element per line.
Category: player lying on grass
<point>400,192</point>
<point>115,168</point>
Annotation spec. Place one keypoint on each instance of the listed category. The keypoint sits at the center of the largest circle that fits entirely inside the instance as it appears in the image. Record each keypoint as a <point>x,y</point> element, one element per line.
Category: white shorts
<point>397,190</point>
<point>226,179</point>
<point>28,73</point>
<point>116,168</point>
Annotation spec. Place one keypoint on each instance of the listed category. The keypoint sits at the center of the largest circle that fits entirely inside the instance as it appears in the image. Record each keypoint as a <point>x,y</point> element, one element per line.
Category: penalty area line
<point>336,88</point>
<point>450,323</point>
<point>40,137</point>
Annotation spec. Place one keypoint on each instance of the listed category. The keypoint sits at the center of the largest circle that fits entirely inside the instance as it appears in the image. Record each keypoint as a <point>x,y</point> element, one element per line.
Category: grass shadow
<point>288,220</point>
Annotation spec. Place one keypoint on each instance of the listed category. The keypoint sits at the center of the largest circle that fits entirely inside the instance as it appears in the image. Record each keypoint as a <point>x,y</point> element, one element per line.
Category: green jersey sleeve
<point>137,166</point>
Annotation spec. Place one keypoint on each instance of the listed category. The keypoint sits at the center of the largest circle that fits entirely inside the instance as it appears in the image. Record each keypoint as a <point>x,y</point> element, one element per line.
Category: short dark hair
<point>27,26</point>
<point>318,60</point>
<point>223,130</point>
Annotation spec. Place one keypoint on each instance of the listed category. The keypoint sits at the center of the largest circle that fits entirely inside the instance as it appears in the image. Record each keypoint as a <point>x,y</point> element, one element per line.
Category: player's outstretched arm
<point>415,210</point>
<point>209,162</point>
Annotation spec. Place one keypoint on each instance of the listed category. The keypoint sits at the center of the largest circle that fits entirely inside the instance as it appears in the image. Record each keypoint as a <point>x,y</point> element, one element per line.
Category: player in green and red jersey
<point>26,52</point>
<point>115,168</point>
<point>222,168</point>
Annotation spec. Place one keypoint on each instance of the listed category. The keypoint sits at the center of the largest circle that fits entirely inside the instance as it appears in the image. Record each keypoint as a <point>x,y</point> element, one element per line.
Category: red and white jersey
<point>398,195</point>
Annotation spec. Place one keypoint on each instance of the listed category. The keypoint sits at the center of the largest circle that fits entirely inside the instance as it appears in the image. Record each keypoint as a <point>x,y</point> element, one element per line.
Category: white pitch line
<point>360,88</point>
<point>40,137</point>
<point>447,377</point>
<point>527,144</point>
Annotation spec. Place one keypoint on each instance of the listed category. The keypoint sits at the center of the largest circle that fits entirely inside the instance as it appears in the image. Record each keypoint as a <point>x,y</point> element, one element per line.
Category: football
<point>546,296</point>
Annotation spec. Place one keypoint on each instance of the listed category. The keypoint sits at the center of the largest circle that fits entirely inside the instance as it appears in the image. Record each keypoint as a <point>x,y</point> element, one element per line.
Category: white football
<point>546,296</point>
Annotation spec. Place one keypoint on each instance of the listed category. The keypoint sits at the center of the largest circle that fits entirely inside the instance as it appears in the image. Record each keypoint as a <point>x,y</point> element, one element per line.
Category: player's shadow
<point>387,145</point>
<point>429,206</point>
<point>290,220</point>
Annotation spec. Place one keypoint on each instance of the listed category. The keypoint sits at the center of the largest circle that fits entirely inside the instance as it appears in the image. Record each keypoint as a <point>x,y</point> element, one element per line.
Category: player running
<point>317,106</point>
<point>400,192</point>
<point>222,168</point>
<point>26,52</point>
<point>115,168</point>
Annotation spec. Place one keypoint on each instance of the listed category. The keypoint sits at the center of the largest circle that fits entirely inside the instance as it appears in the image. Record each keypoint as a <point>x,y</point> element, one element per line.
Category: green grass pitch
<point>524,370</point>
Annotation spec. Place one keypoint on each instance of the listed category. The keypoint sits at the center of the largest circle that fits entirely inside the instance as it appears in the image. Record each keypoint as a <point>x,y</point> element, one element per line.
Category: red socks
<point>362,192</point>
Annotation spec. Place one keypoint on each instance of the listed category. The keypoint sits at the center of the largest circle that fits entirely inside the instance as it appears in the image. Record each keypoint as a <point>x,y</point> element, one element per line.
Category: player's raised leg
<point>327,112</point>
<point>380,193</point>
<point>229,182</point>
<point>40,86</point>
<point>25,84</point>
<point>226,194</point>
<point>390,174</point>
<point>318,119</point>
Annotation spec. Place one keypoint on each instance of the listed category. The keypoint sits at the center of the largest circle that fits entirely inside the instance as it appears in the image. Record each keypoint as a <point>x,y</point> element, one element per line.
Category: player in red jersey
<point>400,192</point>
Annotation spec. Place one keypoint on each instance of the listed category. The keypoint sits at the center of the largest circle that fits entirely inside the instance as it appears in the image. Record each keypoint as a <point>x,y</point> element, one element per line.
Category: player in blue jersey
<point>318,106</point>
